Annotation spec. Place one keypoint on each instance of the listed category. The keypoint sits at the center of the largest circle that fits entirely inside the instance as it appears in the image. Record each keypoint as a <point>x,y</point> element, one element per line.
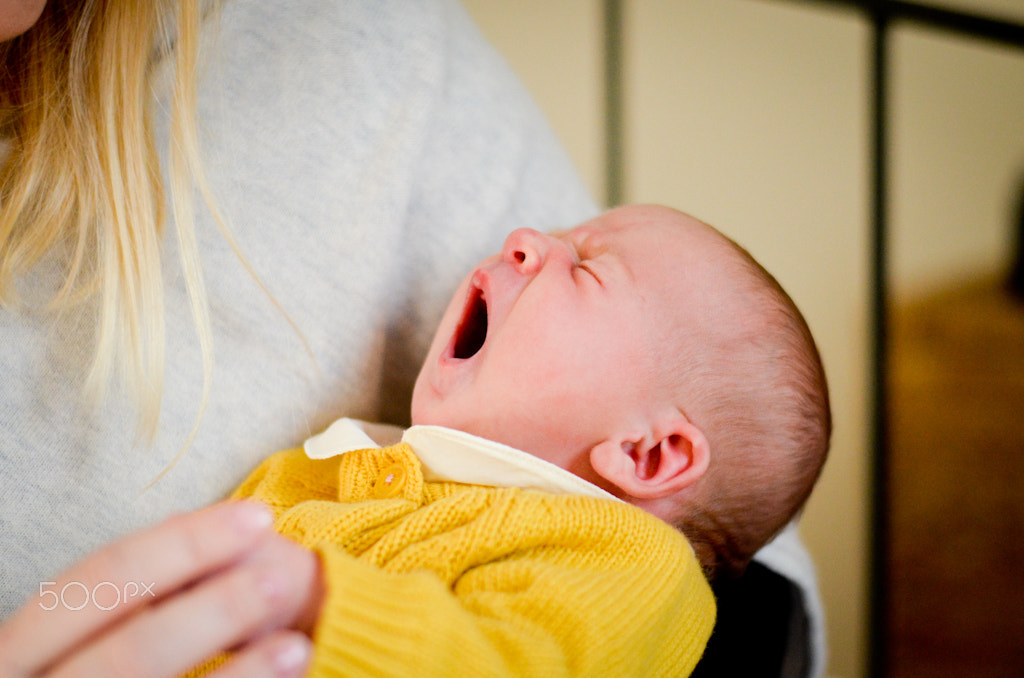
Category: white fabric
<point>367,154</point>
<point>455,456</point>
<point>346,435</point>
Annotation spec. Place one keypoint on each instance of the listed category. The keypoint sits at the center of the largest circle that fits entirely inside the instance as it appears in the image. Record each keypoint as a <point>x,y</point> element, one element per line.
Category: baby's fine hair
<point>758,392</point>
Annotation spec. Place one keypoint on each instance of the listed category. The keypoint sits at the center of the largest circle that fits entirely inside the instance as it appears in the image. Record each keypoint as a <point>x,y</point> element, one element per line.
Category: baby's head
<point>650,355</point>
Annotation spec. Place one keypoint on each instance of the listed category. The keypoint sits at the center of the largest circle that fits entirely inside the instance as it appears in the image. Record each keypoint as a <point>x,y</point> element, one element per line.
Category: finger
<point>252,597</point>
<point>285,654</point>
<point>119,578</point>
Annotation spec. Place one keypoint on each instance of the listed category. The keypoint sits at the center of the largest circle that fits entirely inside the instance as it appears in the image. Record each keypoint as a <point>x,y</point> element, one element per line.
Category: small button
<point>389,482</point>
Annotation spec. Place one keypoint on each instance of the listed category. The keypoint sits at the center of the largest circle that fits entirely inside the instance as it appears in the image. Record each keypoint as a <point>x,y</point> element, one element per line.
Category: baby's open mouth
<point>472,329</point>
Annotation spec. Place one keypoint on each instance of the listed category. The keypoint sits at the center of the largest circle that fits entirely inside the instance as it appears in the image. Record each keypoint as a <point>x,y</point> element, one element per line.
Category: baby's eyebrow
<point>574,236</point>
<point>601,243</point>
<point>593,241</point>
<point>590,244</point>
<point>566,235</point>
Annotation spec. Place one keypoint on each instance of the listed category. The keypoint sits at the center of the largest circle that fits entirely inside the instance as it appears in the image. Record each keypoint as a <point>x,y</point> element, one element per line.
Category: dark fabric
<point>762,629</point>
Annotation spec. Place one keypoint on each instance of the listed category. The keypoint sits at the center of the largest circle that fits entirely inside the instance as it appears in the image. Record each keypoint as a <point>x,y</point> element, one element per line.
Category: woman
<point>361,155</point>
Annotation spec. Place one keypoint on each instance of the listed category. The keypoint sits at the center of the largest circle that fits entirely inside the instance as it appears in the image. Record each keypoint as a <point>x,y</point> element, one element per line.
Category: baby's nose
<point>527,249</point>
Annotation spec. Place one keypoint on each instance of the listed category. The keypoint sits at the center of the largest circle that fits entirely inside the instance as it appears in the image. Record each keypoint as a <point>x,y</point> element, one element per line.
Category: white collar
<point>455,456</point>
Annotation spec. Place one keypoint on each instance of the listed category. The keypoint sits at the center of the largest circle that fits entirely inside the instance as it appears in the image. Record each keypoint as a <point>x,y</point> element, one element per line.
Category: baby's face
<point>554,342</point>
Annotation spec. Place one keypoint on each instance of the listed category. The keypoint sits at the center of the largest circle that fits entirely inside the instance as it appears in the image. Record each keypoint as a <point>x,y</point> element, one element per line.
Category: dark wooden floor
<point>957,477</point>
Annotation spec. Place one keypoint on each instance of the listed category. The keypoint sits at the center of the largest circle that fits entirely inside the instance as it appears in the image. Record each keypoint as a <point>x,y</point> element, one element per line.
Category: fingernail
<point>291,657</point>
<point>253,516</point>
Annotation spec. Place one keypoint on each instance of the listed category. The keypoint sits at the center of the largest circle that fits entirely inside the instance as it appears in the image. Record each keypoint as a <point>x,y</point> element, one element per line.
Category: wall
<point>958,157</point>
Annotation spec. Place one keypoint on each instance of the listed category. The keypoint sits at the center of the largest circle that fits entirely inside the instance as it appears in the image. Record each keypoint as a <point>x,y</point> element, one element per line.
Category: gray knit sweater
<point>367,154</point>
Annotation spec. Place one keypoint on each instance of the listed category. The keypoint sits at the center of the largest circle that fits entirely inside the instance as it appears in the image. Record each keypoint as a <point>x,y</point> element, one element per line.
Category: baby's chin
<point>436,414</point>
<point>419,407</point>
<point>427,412</point>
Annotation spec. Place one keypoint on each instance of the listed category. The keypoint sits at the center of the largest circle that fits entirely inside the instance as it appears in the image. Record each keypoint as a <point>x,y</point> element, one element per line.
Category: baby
<point>651,356</point>
<point>589,398</point>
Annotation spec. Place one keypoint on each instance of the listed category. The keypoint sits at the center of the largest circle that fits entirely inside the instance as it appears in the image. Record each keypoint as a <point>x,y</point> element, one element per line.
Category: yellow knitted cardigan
<point>447,579</point>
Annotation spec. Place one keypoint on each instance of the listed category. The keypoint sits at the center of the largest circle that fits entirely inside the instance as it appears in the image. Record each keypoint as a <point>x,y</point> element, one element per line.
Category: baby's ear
<point>672,457</point>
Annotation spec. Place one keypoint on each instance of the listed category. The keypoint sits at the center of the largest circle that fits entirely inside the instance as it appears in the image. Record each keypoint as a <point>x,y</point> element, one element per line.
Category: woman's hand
<point>159,602</point>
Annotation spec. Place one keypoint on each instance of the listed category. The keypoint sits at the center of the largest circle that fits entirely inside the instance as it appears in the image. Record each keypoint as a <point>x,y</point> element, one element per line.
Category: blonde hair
<point>82,178</point>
